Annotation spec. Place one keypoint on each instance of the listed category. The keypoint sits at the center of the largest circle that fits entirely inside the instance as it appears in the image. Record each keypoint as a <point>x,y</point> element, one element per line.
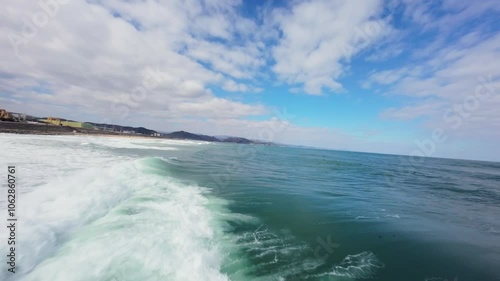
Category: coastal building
<point>51,120</point>
<point>74,124</point>
<point>16,117</point>
<point>106,127</point>
<point>19,117</point>
<point>4,114</point>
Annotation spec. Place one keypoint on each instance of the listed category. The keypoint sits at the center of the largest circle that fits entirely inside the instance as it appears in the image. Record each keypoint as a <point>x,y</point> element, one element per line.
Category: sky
<point>417,78</point>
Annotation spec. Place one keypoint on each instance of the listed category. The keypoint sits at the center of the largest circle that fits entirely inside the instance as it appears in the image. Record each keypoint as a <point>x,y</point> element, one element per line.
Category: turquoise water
<point>148,210</point>
<point>380,217</point>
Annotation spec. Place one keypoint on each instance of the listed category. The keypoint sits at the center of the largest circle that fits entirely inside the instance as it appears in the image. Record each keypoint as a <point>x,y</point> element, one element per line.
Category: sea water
<point>117,208</point>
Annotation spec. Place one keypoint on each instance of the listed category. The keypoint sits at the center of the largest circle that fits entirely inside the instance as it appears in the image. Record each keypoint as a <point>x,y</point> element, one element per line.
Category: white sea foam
<point>359,266</point>
<point>135,143</point>
<point>108,217</point>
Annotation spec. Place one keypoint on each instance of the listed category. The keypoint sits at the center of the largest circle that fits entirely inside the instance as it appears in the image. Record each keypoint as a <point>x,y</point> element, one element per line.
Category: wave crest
<point>360,266</point>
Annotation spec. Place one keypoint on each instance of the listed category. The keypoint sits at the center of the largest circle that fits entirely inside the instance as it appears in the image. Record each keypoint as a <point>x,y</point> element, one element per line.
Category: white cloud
<point>218,108</point>
<point>107,58</point>
<point>319,37</point>
<point>385,77</point>
<point>423,109</point>
<point>390,51</point>
<point>457,88</point>
<point>236,61</point>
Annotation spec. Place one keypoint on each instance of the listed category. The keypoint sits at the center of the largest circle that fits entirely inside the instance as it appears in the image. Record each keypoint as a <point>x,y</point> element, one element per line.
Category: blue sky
<point>378,76</point>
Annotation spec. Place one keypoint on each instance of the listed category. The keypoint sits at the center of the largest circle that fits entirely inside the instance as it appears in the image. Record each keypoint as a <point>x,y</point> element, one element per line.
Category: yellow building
<point>52,120</point>
<point>4,114</point>
<point>74,124</point>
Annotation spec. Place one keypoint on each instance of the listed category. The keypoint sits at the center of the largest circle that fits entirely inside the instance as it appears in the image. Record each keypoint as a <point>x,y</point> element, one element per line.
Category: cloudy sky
<point>406,77</point>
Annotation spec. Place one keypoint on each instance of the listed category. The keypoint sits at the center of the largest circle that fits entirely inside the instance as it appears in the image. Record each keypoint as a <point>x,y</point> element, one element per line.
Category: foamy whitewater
<point>116,208</point>
<point>89,214</point>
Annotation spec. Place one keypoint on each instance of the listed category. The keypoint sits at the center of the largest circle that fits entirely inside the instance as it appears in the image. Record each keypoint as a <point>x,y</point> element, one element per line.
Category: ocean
<point>120,209</point>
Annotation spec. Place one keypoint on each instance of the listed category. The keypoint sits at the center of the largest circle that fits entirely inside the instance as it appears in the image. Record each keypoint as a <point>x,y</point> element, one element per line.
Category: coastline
<point>49,129</point>
<point>41,129</point>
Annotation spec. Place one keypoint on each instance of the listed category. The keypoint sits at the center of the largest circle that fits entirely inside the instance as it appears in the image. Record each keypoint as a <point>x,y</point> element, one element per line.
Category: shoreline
<point>54,130</point>
<point>58,130</point>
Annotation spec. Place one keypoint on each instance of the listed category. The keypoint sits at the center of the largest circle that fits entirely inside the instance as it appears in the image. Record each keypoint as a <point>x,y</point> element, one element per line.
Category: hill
<point>183,135</point>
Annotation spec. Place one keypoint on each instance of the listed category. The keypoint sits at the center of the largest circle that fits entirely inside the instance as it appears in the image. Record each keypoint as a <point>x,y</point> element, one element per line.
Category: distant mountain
<point>179,135</point>
<point>118,128</point>
<point>183,135</point>
<point>237,140</point>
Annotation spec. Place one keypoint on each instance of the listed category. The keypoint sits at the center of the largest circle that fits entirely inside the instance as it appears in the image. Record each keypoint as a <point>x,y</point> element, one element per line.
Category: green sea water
<point>152,210</point>
<point>332,215</point>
